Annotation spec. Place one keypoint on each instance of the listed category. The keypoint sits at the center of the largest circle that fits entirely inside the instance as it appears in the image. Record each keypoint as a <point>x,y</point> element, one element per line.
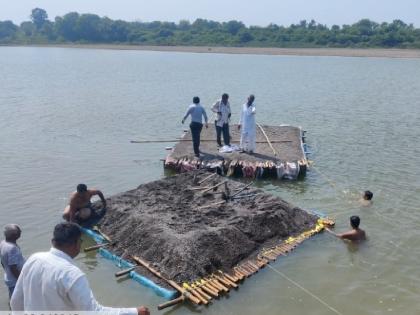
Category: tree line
<point>91,28</point>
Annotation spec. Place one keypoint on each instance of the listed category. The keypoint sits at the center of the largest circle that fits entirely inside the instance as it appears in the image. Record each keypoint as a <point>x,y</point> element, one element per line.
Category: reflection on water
<point>68,115</point>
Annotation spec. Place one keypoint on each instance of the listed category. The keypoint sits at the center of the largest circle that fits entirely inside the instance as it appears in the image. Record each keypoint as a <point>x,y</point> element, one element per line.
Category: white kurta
<point>248,126</point>
<point>51,282</point>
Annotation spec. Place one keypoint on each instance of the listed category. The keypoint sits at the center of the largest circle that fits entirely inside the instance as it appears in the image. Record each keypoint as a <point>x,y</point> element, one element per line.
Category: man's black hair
<point>355,221</point>
<point>67,233</point>
<point>225,95</point>
<point>81,188</point>
<point>196,100</point>
<point>368,195</point>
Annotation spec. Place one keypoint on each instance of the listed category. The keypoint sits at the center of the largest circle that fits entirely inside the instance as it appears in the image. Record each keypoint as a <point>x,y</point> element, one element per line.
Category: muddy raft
<point>197,226</point>
<point>280,153</point>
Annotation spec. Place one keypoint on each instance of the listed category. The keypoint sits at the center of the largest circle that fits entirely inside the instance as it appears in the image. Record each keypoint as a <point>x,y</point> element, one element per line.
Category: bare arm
<point>100,194</point>
<point>70,210</point>
<point>83,299</point>
<point>331,232</point>
<point>350,235</point>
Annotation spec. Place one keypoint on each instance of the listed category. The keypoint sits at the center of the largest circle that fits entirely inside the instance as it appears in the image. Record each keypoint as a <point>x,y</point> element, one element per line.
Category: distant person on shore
<point>11,256</point>
<point>80,208</point>
<point>366,200</point>
<point>50,281</point>
<point>248,125</point>
<point>223,114</point>
<point>355,234</point>
<point>197,113</point>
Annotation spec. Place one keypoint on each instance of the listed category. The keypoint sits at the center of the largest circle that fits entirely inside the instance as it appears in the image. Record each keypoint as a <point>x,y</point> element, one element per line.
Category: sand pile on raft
<point>166,223</point>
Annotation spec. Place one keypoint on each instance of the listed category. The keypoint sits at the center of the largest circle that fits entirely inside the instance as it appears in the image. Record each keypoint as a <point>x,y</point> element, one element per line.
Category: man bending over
<point>80,208</point>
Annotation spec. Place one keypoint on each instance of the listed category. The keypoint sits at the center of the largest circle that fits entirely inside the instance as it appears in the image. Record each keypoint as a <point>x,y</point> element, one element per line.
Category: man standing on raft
<point>223,113</point>
<point>80,208</point>
<point>248,125</point>
<point>197,113</point>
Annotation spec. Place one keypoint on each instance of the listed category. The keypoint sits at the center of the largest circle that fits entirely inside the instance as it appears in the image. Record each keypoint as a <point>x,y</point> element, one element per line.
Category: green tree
<point>8,30</point>
<point>39,17</point>
<point>66,26</point>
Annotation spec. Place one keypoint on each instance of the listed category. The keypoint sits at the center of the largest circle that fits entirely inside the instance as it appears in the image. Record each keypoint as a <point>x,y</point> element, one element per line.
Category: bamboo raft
<point>204,290</point>
<point>201,195</point>
<point>280,153</point>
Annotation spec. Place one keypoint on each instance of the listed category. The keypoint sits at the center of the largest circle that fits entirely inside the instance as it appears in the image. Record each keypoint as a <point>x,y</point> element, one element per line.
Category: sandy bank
<point>341,52</point>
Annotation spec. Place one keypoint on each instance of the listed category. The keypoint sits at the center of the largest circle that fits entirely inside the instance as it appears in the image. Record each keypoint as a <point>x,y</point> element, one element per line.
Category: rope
<point>332,309</point>
<point>330,181</point>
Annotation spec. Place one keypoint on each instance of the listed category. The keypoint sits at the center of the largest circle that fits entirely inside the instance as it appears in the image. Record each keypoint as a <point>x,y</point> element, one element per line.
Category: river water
<point>67,116</point>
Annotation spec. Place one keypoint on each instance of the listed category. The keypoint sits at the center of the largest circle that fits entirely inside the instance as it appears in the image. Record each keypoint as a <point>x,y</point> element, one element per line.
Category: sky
<point>251,12</point>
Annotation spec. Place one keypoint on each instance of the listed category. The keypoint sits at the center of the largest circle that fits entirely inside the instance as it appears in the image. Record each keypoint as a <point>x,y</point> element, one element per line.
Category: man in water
<point>248,125</point>
<point>355,234</point>
<point>80,208</point>
<point>367,198</point>
<point>50,281</point>
<point>197,113</point>
<point>223,114</point>
<point>11,256</point>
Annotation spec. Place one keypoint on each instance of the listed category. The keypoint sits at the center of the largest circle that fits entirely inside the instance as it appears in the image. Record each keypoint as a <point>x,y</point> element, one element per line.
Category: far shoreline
<point>332,52</point>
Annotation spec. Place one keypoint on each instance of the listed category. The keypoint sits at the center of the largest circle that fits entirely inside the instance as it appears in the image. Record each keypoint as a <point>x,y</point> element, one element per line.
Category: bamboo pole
<point>268,140</point>
<point>94,247</point>
<point>212,205</point>
<point>215,186</point>
<point>241,190</point>
<point>212,292</point>
<point>184,292</point>
<point>201,140</point>
<point>170,303</point>
<point>195,293</point>
<point>199,290</point>
<point>206,178</point>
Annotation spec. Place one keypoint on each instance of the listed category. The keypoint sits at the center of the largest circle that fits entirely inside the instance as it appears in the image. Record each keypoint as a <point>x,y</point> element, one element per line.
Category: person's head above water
<point>81,188</point>
<point>196,100</point>
<point>367,195</point>
<point>355,221</point>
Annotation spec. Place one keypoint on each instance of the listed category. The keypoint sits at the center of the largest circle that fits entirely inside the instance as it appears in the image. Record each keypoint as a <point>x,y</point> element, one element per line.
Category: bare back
<point>354,235</point>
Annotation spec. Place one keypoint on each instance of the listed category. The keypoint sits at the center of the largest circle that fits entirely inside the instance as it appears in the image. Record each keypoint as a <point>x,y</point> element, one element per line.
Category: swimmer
<point>355,234</point>
<point>366,200</point>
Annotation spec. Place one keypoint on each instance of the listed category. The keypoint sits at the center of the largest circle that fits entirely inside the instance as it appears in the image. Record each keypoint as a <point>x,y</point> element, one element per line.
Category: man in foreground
<point>356,234</point>
<point>79,208</point>
<point>248,125</point>
<point>11,256</point>
<point>198,113</point>
<point>49,281</point>
<point>223,113</point>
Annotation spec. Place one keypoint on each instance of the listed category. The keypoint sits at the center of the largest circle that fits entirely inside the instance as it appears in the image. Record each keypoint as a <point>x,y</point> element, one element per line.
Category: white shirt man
<point>49,281</point>
<point>248,125</point>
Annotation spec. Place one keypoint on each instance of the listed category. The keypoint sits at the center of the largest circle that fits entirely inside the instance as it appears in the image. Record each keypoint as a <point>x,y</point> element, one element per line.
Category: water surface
<point>67,116</point>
